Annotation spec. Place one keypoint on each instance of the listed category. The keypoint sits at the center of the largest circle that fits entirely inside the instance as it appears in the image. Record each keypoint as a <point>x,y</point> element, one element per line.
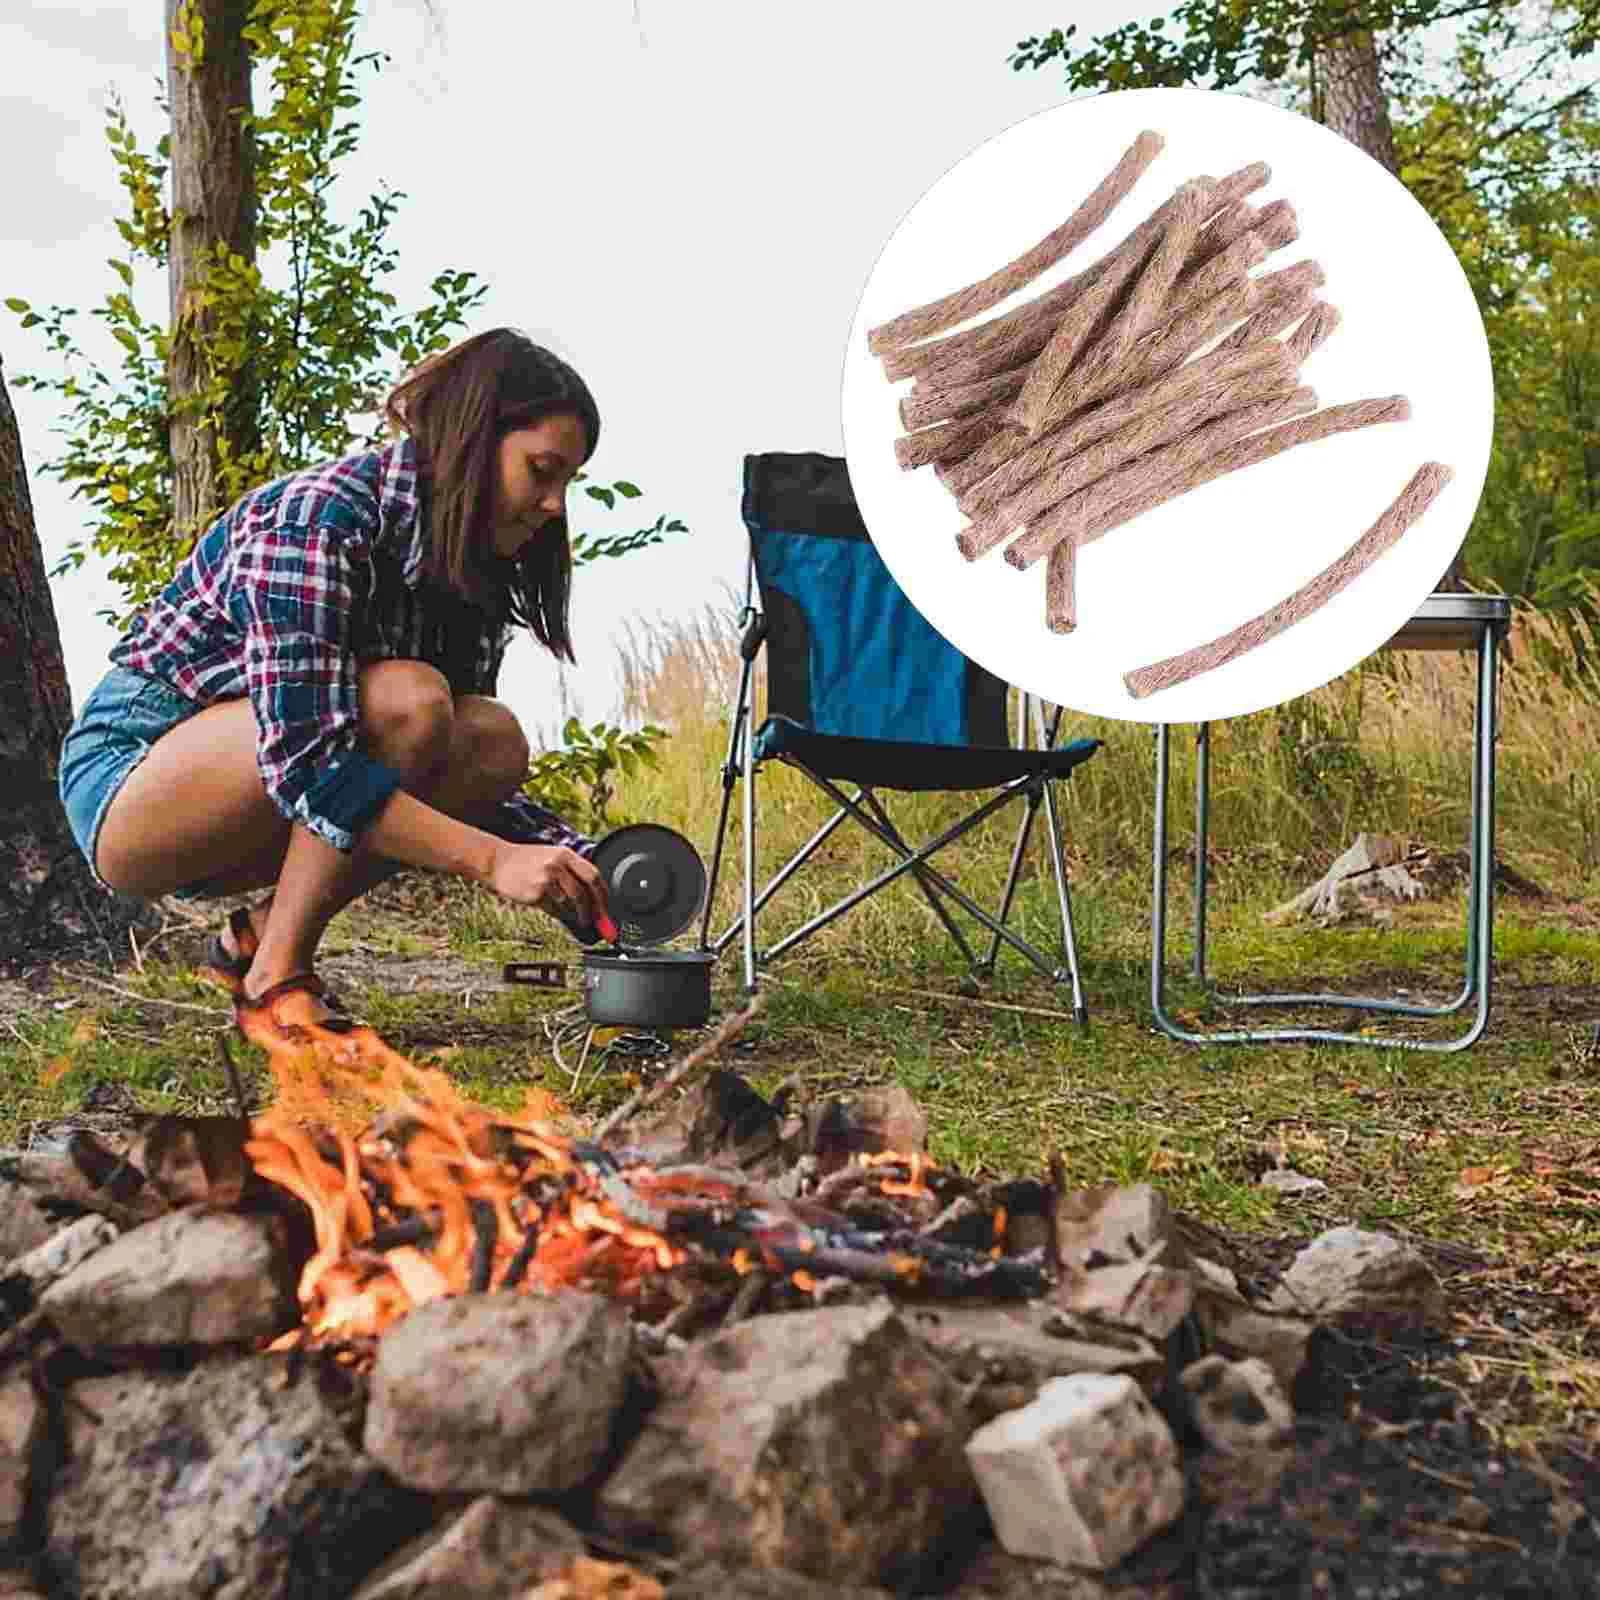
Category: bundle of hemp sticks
<point>1089,405</point>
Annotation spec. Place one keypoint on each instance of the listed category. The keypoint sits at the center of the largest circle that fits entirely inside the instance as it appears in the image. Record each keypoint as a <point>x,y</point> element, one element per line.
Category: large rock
<point>21,1425</point>
<point>1002,1355</point>
<point>1082,1476</point>
<point>190,1278</point>
<point>24,1225</point>
<point>1136,1294</point>
<point>29,1275</point>
<point>1360,1281</point>
<point>235,1481</point>
<point>1112,1223</point>
<point>1237,1405</point>
<point>494,1550</point>
<point>498,1393</point>
<point>827,1443</point>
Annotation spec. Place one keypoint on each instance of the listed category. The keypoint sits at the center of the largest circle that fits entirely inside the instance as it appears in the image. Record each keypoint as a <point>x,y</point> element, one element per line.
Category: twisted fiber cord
<point>1089,428</point>
<point>1061,241</point>
<point>1407,508</point>
<point>1246,452</point>
<point>1167,348</point>
<point>1016,335</point>
<point>935,404</point>
<point>1136,314</point>
<point>1042,317</point>
<point>953,440</point>
<point>1313,333</point>
<point>1275,224</point>
<point>1129,481</point>
<point>1146,433</point>
<point>1294,285</point>
<point>1061,587</point>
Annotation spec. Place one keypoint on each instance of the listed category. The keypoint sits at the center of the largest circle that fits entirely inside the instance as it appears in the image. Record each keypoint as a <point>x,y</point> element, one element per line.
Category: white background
<point>1197,567</point>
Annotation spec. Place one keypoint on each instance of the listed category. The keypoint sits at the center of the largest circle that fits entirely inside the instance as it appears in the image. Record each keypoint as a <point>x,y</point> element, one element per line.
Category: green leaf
<point>629,491</point>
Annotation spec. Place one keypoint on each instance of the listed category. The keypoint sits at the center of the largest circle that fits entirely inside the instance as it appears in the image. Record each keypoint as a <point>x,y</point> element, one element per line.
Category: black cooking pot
<point>655,886</point>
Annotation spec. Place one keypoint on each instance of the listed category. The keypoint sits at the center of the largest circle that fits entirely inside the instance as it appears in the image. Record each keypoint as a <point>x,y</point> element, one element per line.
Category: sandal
<point>262,1014</point>
<point>228,967</point>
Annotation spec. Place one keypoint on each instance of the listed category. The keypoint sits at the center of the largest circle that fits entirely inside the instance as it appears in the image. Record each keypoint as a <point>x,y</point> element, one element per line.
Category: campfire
<point>376,1307</point>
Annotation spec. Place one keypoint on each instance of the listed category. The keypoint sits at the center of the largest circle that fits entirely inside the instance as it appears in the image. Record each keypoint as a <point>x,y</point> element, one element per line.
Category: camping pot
<point>655,885</point>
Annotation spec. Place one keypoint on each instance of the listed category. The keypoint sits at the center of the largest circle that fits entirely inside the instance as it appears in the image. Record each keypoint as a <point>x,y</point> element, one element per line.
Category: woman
<point>308,704</point>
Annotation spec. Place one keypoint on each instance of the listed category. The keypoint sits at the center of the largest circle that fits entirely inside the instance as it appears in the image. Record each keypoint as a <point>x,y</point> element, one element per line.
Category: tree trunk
<point>1348,96</point>
<point>49,901</point>
<point>213,204</point>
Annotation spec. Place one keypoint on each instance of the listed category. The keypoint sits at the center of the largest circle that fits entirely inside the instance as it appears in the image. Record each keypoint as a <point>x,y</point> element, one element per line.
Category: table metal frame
<point>1444,622</point>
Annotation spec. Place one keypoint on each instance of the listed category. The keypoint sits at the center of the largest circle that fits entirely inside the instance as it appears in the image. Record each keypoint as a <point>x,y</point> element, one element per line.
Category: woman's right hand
<point>552,877</point>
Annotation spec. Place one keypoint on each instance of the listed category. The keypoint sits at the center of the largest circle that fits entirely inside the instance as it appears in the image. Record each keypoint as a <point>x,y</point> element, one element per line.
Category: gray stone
<point>1139,1295</point>
<point>189,1278</point>
<point>1002,1355</point>
<point>1082,1476</point>
<point>1237,1405</point>
<point>996,1574</point>
<point>23,1223</point>
<point>827,1443</point>
<point>1233,1328</point>
<point>237,1480</point>
<point>60,1254</point>
<point>1285,1180</point>
<point>21,1426</point>
<point>498,1393</point>
<point>1114,1223</point>
<point>494,1550</point>
<point>1360,1281</point>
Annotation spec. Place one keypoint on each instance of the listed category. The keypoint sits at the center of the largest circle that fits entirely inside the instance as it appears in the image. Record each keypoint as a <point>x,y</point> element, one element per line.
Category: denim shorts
<point>119,722</point>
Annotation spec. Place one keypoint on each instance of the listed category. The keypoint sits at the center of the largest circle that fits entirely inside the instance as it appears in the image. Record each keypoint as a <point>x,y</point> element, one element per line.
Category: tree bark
<point>1348,95</point>
<point>49,901</point>
<point>213,204</point>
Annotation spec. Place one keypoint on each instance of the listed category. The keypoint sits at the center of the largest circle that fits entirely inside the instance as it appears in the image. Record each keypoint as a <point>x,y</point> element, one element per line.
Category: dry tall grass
<point>1387,747</point>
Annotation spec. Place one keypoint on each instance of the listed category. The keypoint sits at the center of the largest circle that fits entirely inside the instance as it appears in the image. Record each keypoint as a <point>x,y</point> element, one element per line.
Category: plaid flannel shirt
<point>285,598</point>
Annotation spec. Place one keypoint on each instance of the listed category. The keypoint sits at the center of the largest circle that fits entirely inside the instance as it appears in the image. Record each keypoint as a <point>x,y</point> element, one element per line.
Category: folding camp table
<point>1443,622</point>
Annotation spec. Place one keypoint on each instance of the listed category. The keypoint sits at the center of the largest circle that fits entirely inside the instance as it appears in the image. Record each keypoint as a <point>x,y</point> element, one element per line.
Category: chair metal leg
<point>920,873</point>
<point>1480,903</point>
<point>787,871</point>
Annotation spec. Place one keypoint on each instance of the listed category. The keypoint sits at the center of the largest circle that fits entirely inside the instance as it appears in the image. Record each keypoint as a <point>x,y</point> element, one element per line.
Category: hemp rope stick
<point>1247,452</point>
<point>945,440</point>
<point>1145,433</point>
<point>1313,333</point>
<point>1037,318</point>
<point>1402,513</point>
<point>1084,507</point>
<point>1020,335</point>
<point>950,401</point>
<point>1058,243</point>
<point>1294,285</point>
<point>1163,351</point>
<point>1121,409</point>
<point>1136,314</point>
<point>1061,587</point>
<point>1151,276</point>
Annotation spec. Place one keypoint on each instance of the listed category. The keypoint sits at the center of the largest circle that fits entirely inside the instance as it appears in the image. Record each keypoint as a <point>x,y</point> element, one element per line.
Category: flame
<point>916,1162</point>
<point>464,1193</point>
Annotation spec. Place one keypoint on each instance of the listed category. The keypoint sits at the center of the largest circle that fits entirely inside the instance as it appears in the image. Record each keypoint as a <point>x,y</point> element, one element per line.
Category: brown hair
<point>457,405</point>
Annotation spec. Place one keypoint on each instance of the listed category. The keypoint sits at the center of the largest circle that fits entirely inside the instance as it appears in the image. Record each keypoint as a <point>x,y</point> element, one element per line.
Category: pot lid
<point>655,881</point>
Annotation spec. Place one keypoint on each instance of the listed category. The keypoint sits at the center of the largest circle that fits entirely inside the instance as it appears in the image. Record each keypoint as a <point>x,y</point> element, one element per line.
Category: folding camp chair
<point>862,691</point>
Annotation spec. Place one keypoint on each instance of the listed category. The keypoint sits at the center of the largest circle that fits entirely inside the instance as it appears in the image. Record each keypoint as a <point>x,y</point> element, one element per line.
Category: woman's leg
<point>195,809</point>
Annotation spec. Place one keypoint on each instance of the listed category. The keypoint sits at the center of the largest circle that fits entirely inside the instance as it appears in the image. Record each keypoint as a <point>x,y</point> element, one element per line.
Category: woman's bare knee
<point>407,718</point>
<point>489,752</point>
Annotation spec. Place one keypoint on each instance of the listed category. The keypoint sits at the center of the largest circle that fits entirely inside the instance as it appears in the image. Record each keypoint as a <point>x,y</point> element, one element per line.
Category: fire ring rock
<point>828,1443</point>
<point>499,1394</point>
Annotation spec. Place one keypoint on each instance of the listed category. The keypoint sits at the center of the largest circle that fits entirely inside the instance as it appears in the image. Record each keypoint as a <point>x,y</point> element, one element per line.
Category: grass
<point>1497,1150</point>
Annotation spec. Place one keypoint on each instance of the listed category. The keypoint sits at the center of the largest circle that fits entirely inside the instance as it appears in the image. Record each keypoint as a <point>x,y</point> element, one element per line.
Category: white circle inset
<point>1194,569</point>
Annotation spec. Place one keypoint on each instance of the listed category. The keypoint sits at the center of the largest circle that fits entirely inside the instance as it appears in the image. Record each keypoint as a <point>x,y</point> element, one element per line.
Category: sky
<point>684,200</point>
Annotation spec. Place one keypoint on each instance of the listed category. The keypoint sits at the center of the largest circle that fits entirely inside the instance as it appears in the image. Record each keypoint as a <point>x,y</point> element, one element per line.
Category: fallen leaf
<point>85,1031</point>
<point>53,1071</point>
